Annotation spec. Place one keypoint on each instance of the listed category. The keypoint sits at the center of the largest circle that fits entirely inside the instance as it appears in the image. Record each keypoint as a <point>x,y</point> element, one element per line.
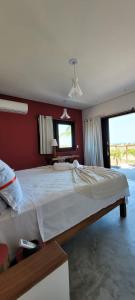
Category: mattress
<point>54,201</point>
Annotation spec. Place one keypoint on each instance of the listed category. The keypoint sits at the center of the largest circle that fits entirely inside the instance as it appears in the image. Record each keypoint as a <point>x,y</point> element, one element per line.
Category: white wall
<point>118,105</point>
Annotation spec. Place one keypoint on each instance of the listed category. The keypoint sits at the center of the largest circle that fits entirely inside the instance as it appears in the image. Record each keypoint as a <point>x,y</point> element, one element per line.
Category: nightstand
<point>65,158</point>
<point>43,275</point>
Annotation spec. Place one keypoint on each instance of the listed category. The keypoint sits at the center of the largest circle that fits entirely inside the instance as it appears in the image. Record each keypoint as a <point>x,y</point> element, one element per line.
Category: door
<point>106,142</point>
<point>119,140</point>
<point>122,141</point>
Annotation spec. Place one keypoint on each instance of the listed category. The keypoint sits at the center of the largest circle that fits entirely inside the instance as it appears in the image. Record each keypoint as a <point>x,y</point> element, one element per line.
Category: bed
<point>58,203</point>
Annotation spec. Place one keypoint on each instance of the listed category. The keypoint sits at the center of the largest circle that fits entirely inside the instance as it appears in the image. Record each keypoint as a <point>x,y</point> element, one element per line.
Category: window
<point>65,134</point>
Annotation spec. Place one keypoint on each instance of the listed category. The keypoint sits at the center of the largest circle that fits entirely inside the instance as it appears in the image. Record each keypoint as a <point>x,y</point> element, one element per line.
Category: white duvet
<point>54,201</point>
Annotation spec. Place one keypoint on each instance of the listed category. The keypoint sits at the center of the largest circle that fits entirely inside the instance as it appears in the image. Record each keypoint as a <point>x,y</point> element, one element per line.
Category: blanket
<point>99,182</point>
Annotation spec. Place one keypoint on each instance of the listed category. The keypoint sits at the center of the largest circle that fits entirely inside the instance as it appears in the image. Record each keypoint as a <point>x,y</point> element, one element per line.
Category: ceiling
<point>37,38</point>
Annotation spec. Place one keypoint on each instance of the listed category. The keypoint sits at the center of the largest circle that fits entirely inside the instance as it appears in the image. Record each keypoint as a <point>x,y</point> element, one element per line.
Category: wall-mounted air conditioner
<point>13,107</point>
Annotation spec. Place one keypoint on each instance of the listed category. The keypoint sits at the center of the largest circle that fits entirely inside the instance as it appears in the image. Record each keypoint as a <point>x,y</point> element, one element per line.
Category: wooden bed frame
<point>20,277</point>
<point>68,234</point>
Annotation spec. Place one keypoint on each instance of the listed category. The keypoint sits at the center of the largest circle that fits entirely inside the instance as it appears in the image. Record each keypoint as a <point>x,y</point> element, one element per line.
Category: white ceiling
<point>37,37</point>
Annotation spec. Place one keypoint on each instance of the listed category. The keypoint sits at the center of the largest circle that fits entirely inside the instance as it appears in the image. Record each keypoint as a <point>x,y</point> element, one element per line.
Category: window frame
<point>56,133</point>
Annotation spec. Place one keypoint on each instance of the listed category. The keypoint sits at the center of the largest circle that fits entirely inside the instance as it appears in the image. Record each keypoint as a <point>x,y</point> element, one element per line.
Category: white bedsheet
<point>54,201</point>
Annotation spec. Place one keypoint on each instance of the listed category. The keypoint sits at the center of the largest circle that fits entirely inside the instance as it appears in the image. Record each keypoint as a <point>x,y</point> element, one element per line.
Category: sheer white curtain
<point>45,134</point>
<point>93,149</point>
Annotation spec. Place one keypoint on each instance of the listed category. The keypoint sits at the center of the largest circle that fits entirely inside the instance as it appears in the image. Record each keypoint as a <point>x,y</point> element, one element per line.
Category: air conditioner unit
<point>13,107</point>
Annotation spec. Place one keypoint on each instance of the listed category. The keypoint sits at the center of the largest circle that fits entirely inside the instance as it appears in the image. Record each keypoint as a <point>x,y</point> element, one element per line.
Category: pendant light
<point>75,90</point>
<point>65,114</point>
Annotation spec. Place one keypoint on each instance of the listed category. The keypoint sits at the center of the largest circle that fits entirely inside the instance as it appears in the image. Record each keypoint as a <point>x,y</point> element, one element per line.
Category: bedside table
<point>43,275</point>
<point>65,158</point>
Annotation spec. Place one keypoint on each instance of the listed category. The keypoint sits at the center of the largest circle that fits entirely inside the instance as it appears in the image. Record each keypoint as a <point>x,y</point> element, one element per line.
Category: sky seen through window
<point>122,129</point>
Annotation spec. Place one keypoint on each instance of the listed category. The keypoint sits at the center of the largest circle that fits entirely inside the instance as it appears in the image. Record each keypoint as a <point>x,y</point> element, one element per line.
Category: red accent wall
<point>19,137</point>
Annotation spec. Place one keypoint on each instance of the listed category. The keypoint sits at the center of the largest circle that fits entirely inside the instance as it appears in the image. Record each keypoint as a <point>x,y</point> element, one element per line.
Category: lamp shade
<point>54,143</point>
<point>75,90</point>
<point>65,114</point>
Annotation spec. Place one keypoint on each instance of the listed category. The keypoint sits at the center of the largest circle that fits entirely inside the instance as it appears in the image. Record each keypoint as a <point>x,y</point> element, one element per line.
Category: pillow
<point>62,166</point>
<point>10,188</point>
<point>3,205</point>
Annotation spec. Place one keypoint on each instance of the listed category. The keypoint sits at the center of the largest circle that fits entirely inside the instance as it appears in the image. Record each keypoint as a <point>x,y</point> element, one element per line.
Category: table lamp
<point>54,144</point>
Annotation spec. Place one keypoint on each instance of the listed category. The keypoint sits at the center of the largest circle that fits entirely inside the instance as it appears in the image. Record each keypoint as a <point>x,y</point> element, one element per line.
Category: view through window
<point>122,140</point>
<point>65,135</point>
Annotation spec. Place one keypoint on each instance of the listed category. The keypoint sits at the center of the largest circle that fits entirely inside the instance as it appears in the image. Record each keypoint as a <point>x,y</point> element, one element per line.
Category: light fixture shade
<point>54,143</point>
<point>65,114</point>
<point>75,90</point>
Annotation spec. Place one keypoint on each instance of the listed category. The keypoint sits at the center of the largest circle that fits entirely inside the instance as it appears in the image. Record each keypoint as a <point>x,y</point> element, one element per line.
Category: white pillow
<point>3,205</point>
<point>10,188</point>
<point>62,166</point>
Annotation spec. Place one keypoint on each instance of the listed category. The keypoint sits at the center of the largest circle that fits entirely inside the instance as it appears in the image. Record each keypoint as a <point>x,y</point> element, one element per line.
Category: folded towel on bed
<point>77,165</point>
<point>99,182</point>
